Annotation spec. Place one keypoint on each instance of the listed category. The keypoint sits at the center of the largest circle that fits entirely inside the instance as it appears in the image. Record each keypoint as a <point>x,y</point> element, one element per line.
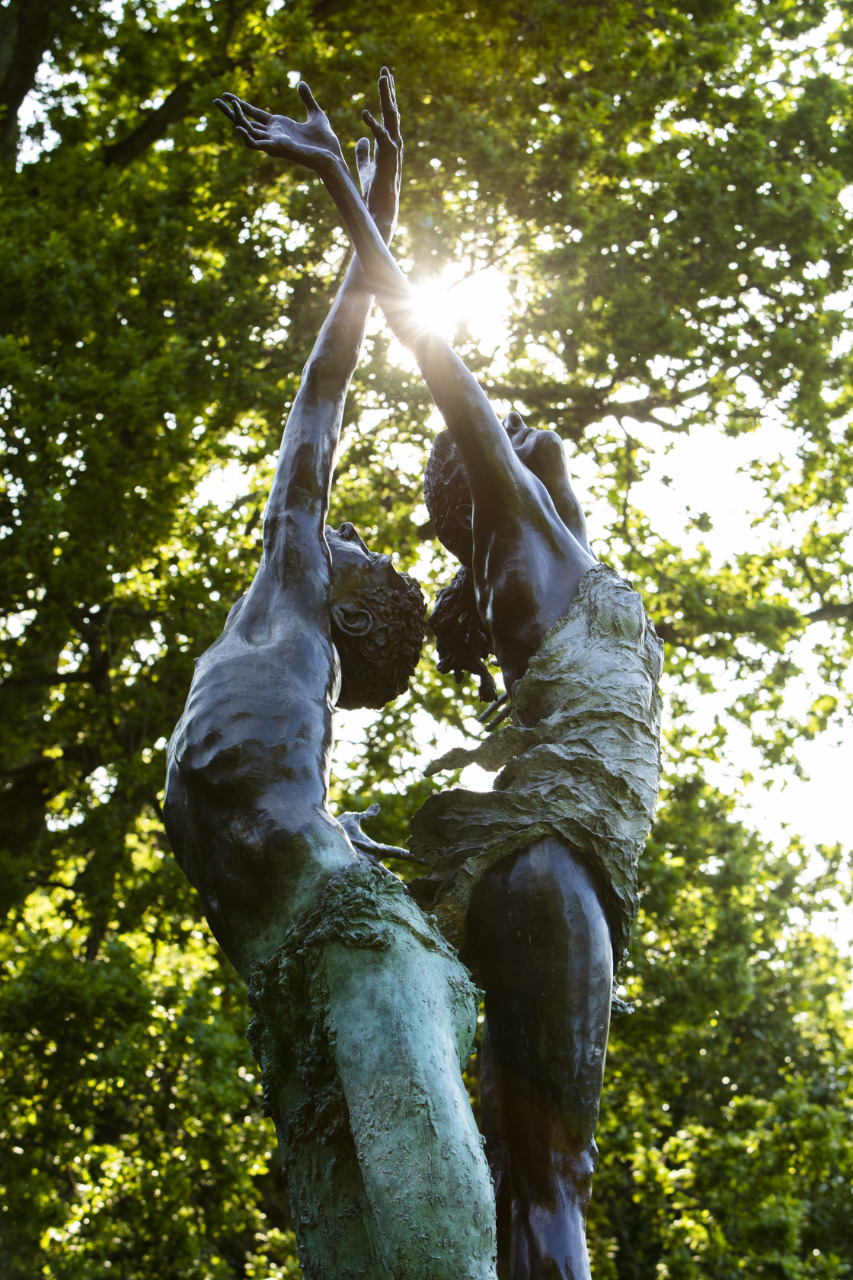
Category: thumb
<point>308,98</point>
<point>362,162</point>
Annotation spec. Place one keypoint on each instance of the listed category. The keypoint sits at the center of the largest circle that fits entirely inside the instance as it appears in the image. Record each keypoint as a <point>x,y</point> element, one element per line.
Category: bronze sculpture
<point>536,881</point>
<point>363,1015</point>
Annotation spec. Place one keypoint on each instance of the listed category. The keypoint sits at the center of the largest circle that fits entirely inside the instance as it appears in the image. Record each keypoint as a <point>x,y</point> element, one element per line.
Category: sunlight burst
<point>454,304</point>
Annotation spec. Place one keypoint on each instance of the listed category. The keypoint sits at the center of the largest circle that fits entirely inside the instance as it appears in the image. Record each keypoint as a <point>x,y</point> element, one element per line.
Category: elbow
<point>299,512</point>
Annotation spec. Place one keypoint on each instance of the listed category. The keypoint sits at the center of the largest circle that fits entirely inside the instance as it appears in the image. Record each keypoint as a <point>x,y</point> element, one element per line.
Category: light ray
<point>476,305</point>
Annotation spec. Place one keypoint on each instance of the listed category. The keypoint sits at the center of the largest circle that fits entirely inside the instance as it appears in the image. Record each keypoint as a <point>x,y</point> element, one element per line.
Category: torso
<point>248,773</point>
<point>527,568</point>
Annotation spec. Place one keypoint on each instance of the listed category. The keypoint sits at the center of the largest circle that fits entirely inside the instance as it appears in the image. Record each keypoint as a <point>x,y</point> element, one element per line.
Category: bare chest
<point>524,579</point>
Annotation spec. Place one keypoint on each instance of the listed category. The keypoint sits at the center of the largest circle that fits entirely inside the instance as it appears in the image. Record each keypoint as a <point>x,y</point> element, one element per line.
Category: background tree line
<point>659,182</point>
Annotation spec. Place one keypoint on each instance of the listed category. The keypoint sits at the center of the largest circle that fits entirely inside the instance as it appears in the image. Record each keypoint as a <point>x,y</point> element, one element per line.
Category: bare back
<point>248,771</point>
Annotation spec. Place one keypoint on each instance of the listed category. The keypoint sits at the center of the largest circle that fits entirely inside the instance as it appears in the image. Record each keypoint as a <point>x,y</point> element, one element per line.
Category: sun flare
<point>454,303</point>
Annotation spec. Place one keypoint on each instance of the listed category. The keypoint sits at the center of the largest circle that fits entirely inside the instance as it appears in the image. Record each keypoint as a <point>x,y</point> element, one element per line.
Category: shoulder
<point>290,593</point>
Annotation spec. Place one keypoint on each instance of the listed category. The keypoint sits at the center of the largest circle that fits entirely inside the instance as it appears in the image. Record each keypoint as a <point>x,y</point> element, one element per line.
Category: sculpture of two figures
<point>364,1014</point>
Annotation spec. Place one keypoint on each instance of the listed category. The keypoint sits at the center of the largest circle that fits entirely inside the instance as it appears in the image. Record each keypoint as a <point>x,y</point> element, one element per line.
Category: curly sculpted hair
<point>376,667</point>
<point>462,641</point>
<point>446,491</point>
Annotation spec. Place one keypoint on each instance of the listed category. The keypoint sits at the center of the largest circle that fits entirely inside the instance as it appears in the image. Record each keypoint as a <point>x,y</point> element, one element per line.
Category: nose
<point>349,533</point>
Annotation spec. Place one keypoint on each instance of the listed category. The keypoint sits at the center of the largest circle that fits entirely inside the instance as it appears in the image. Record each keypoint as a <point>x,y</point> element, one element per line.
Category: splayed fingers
<point>388,103</point>
<point>311,142</point>
<point>380,173</point>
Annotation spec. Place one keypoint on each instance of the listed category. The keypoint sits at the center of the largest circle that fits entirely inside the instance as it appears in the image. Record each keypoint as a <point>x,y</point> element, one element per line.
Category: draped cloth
<point>365,968</point>
<point>580,760</point>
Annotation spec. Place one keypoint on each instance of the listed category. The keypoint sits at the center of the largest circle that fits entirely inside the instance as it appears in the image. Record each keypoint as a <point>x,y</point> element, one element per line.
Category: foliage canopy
<point>661,185</point>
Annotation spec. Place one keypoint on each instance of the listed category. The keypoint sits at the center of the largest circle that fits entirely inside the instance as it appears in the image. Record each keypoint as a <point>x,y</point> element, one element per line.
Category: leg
<point>496,1152</point>
<point>362,1021</point>
<point>541,944</point>
<point>336,1235</point>
<point>400,1021</point>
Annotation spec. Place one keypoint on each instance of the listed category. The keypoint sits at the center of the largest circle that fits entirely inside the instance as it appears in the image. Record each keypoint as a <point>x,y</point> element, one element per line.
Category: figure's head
<point>448,495</point>
<point>377,622</point>
<point>461,638</point>
<point>541,452</point>
<point>462,641</point>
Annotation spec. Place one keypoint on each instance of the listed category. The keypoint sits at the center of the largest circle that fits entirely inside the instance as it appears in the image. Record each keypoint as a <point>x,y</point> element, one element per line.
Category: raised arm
<point>300,490</point>
<point>479,435</point>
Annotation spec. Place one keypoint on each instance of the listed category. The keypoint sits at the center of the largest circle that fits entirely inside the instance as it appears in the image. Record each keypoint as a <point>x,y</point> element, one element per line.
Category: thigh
<point>335,1233</point>
<point>399,1018</point>
<point>541,945</point>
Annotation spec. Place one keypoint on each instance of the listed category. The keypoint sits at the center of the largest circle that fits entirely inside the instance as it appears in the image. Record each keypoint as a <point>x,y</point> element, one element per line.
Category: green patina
<point>581,760</point>
<point>359,1116</point>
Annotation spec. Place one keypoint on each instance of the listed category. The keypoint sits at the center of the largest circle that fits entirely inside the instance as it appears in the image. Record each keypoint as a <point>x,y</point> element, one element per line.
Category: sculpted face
<point>543,455</point>
<point>377,617</point>
<point>351,557</point>
<point>346,546</point>
<point>354,569</point>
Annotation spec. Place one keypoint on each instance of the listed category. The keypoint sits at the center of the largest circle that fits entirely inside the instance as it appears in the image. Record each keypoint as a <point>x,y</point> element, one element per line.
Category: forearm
<point>334,356</point>
<point>383,276</point>
<point>312,432</point>
<point>460,398</point>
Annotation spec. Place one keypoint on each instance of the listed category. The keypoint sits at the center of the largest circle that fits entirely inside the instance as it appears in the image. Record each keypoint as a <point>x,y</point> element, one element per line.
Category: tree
<point>661,185</point>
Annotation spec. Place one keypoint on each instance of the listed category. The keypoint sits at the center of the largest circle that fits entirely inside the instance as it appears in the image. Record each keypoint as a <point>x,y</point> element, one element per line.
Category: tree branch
<point>151,129</point>
<point>831,613</point>
<point>156,122</point>
<point>671,635</point>
<point>589,406</point>
<point>27,29</point>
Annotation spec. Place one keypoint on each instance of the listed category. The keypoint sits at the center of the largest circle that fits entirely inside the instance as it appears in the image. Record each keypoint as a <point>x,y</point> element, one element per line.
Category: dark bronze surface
<point>537,931</point>
<point>546,1054</point>
<point>363,1013</point>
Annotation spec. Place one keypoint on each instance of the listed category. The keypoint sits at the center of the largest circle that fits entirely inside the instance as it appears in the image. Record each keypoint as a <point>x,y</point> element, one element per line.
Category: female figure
<point>363,1014</point>
<point>534,881</point>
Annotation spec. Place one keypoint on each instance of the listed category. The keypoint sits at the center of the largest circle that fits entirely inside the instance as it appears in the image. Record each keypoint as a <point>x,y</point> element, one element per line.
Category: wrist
<point>332,170</point>
<point>386,224</point>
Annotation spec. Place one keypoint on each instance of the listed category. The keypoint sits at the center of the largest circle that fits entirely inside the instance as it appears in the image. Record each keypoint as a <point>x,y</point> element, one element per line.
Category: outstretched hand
<point>360,840</point>
<point>379,173</point>
<point>312,143</point>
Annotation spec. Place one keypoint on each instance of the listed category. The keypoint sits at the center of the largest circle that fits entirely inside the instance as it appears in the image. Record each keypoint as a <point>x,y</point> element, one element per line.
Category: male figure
<point>536,881</point>
<point>363,1014</point>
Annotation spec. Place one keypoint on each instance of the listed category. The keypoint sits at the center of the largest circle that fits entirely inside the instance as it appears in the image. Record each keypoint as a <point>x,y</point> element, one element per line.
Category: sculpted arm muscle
<point>462,402</point>
<point>299,499</point>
